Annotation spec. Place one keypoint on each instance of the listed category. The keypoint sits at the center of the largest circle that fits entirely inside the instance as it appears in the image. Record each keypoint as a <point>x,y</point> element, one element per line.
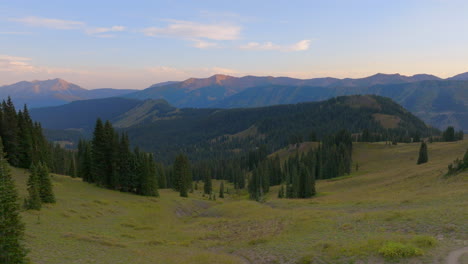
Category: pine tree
<point>207,185</point>
<point>281,192</point>
<point>182,175</point>
<point>34,199</point>
<point>98,169</point>
<point>12,250</point>
<point>10,132</point>
<point>221,190</point>
<point>45,184</point>
<point>423,158</point>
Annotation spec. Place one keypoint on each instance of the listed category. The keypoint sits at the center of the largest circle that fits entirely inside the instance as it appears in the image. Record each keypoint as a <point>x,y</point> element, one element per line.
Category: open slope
<point>390,198</point>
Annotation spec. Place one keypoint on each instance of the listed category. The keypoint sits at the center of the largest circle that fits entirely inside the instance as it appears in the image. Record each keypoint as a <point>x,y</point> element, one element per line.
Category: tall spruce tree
<point>98,154</point>
<point>182,175</point>
<point>34,198</point>
<point>12,250</point>
<point>221,189</point>
<point>10,132</point>
<point>423,157</point>
<point>207,185</point>
<point>45,184</point>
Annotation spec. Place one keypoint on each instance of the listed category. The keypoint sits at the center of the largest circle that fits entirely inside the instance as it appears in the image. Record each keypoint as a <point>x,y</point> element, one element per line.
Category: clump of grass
<point>396,250</point>
<point>257,241</point>
<point>155,243</point>
<point>424,241</point>
<point>305,260</point>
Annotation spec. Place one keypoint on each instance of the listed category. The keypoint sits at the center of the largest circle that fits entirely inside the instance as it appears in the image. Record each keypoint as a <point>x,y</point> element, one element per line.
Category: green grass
<point>389,202</point>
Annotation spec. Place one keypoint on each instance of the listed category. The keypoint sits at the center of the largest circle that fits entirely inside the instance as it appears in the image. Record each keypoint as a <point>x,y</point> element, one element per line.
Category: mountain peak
<point>220,77</point>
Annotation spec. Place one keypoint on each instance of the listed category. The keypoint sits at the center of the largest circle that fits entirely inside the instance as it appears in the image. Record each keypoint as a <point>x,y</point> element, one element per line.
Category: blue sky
<point>133,44</point>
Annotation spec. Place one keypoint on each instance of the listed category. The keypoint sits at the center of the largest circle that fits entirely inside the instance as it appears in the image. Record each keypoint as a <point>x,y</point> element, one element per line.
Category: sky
<point>133,44</point>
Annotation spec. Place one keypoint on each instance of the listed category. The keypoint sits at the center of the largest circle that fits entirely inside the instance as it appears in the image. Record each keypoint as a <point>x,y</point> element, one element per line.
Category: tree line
<point>332,158</point>
<point>108,161</point>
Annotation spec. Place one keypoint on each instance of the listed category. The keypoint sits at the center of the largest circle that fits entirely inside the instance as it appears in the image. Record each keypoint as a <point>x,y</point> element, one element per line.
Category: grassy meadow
<point>390,207</point>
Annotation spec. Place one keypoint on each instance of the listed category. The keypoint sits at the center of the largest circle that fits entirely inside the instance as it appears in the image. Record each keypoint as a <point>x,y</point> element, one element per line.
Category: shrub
<point>424,241</point>
<point>395,250</point>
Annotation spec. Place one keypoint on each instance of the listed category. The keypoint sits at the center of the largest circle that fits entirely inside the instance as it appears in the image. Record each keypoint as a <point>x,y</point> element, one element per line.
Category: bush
<point>424,241</point>
<point>395,250</point>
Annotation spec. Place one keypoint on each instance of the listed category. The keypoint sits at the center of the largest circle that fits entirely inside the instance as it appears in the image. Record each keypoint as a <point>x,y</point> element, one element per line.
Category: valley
<point>389,199</point>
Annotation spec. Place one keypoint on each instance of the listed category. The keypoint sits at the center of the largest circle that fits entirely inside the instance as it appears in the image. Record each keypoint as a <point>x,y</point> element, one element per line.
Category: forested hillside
<point>439,103</point>
<point>157,127</point>
<point>207,133</point>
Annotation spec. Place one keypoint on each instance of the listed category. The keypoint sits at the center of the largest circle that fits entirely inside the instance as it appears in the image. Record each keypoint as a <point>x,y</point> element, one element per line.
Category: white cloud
<point>299,46</point>
<point>100,30</point>
<point>15,64</point>
<point>200,44</point>
<point>49,22</point>
<point>192,30</point>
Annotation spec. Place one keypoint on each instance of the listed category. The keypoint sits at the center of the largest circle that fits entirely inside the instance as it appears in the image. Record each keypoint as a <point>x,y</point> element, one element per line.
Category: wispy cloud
<point>193,30</point>
<point>14,64</point>
<point>101,30</point>
<point>49,22</point>
<point>299,46</point>
<point>60,24</point>
<point>200,44</point>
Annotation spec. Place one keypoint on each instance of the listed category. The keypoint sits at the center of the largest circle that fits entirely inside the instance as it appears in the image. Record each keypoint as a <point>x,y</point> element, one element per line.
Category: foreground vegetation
<point>390,210</point>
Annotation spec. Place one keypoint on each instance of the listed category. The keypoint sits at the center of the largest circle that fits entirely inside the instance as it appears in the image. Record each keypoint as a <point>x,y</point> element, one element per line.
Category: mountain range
<point>439,102</point>
<point>53,92</point>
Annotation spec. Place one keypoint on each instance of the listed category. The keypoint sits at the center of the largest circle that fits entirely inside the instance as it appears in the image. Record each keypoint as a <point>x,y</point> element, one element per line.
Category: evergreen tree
<point>423,158</point>
<point>207,185</point>
<point>182,175</point>
<point>449,134</point>
<point>221,190</point>
<point>98,154</point>
<point>12,250</point>
<point>34,199</point>
<point>281,192</point>
<point>10,132</point>
<point>45,184</point>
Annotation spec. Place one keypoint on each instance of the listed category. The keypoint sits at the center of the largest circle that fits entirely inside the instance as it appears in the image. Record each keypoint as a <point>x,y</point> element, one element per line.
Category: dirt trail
<point>455,255</point>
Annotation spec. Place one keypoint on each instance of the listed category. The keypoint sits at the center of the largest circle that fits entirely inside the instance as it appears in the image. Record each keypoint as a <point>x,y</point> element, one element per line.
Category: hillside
<point>53,92</point>
<point>157,127</point>
<point>390,199</point>
<point>82,115</point>
<point>205,133</point>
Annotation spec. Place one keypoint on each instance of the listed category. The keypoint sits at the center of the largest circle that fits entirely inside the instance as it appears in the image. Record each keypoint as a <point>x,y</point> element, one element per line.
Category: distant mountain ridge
<point>439,102</point>
<point>205,92</point>
<point>53,92</point>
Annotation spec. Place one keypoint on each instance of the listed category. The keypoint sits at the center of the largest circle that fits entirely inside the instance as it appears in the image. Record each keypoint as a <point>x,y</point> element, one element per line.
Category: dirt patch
<point>455,256</point>
<point>192,208</point>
